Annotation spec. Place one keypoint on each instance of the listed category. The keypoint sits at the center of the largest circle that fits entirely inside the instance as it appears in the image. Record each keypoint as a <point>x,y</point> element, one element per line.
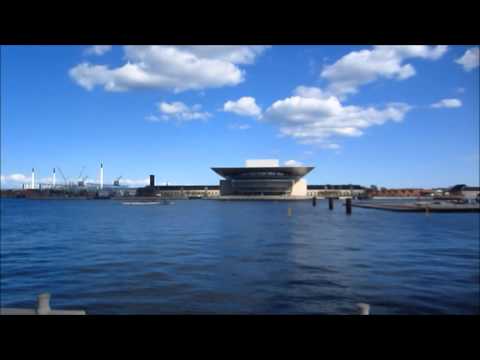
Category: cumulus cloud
<point>179,111</point>
<point>175,68</point>
<point>470,59</point>
<point>312,116</point>
<point>447,103</point>
<point>245,106</point>
<point>98,49</point>
<point>365,66</point>
<point>292,163</point>
<point>239,126</point>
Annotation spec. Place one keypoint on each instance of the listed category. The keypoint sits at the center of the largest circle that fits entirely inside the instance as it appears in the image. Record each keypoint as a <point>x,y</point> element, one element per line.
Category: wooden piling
<point>314,201</point>
<point>289,211</point>
<point>348,206</point>
<point>330,203</point>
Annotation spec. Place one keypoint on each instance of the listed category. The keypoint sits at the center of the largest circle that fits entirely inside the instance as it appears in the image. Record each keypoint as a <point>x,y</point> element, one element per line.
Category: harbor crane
<point>116,182</point>
<point>63,176</point>
<point>81,182</point>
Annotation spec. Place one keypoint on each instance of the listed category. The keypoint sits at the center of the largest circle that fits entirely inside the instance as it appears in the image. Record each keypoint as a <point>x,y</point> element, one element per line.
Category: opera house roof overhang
<point>280,172</point>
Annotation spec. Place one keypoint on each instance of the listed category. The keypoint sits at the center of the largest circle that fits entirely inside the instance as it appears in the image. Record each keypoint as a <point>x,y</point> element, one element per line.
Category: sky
<point>393,116</point>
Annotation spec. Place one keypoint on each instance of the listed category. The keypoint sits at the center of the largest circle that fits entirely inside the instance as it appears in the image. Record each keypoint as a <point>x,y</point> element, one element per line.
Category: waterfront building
<point>321,191</point>
<point>178,191</point>
<point>468,192</point>
<point>258,178</point>
<point>263,178</point>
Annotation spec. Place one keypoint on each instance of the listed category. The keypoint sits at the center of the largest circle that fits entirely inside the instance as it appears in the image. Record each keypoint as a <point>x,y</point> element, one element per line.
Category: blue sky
<point>394,116</point>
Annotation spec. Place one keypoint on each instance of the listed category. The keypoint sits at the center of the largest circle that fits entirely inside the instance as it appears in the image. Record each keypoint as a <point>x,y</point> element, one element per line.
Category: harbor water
<point>227,257</point>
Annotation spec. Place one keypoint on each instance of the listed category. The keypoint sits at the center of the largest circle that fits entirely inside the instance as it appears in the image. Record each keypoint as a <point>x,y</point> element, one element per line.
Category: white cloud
<point>447,103</point>
<point>470,59</point>
<point>311,116</point>
<point>18,178</point>
<point>330,146</point>
<point>152,118</point>
<point>135,182</point>
<point>365,66</point>
<point>245,106</point>
<point>239,126</point>
<point>98,49</point>
<point>179,111</point>
<point>46,180</point>
<point>292,163</point>
<point>15,180</point>
<point>176,68</point>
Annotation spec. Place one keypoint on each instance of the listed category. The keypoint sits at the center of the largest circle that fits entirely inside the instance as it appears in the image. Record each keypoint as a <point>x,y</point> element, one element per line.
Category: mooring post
<point>43,305</point>
<point>330,203</point>
<point>314,201</point>
<point>289,211</point>
<point>363,308</point>
<point>348,206</point>
<point>427,210</point>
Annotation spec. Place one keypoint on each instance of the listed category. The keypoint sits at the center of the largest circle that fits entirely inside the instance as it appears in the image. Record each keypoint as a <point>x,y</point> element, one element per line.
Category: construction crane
<point>81,172</point>
<point>63,176</point>
<point>116,182</point>
<point>81,182</point>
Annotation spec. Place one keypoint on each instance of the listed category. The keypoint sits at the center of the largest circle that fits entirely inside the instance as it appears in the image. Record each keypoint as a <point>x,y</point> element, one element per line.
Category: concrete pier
<point>261,197</point>
<point>43,308</point>
<point>424,208</point>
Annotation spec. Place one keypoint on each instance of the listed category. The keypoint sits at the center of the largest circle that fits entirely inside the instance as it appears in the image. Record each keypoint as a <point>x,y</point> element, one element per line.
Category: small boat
<point>141,202</point>
<point>163,202</point>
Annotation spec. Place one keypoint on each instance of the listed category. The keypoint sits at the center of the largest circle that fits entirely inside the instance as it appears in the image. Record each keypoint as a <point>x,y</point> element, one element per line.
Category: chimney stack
<point>33,178</point>
<point>54,178</point>
<point>101,175</point>
<point>152,180</point>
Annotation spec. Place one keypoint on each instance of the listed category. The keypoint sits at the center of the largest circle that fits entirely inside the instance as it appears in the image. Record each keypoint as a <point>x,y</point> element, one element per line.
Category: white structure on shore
<point>263,177</point>
<point>33,178</point>
<point>101,176</point>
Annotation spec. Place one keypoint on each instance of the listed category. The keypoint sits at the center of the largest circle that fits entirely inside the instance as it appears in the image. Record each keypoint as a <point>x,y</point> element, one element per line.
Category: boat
<point>141,202</point>
<point>163,202</point>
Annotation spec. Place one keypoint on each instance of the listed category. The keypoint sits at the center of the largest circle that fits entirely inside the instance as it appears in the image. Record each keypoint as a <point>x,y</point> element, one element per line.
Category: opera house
<point>263,178</point>
<point>257,180</point>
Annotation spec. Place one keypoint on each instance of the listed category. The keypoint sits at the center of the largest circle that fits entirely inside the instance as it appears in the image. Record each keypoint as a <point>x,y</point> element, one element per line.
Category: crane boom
<point>116,182</point>
<point>63,176</point>
<point>81,172</point>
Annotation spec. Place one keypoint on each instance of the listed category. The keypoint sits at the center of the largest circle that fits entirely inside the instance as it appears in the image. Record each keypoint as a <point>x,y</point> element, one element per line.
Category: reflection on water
<point>237,257</point>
